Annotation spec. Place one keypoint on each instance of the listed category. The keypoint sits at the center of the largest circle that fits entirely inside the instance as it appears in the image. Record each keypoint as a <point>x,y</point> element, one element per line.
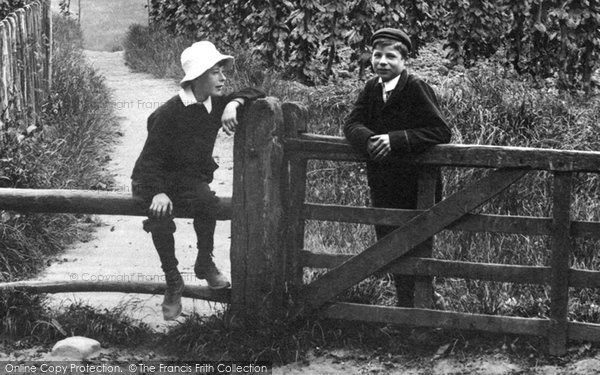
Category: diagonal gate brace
<point>403,239</point>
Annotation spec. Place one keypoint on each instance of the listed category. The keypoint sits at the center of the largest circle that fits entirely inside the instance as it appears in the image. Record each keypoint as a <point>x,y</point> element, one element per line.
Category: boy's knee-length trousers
<point>195,197</point>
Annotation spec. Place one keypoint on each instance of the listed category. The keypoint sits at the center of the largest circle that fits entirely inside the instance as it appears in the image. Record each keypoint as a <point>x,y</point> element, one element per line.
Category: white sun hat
<point>199,57</point>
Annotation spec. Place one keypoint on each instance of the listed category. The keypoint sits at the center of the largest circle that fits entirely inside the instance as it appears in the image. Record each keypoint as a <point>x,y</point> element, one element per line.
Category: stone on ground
<point>76,347</point>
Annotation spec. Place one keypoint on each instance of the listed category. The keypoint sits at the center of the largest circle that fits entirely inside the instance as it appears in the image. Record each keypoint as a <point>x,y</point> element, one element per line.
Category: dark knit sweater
<point>180,142</point>
<point>410,116</point>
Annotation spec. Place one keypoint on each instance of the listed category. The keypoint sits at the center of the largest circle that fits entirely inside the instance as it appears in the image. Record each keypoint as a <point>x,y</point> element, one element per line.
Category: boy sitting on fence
<point>395,114</point>
<point>176,165</point>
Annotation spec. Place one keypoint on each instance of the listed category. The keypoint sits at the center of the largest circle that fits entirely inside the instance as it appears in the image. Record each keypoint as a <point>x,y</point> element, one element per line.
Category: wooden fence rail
<point>196,291</point>
<point>25,62</point>
<point>268,213</point>
<point>89,201</point>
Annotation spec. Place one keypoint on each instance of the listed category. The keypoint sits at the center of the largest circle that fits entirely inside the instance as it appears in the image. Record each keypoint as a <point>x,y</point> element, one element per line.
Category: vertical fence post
<point>561,249</point>
<point>295,118</point>
<point>3,73</point>
<point>22,53</point>
<point>48,45</point>
<point>29,64</point>
<point>256,224</point>
<point>16,91</point>
<point>426,198</point>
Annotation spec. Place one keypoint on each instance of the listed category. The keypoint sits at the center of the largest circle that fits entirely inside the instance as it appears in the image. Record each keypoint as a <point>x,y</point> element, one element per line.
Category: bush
<point>9,6</point>
<point>303,40</point>
<point>153,50</point>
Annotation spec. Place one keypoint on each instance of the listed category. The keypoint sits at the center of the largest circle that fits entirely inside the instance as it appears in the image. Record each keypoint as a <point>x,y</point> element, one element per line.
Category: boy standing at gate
<point>396,114</point>
<point>176,165</point>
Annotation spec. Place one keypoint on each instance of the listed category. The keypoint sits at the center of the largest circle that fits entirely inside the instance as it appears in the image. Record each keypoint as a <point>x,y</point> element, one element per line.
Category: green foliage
<point>542,38</point>
<point>20,312</point>
<point>65,7</point>
<point>107,326</point>
<point>473,30</point>
<point>8,6</point>
<point>305,39</point>
<point>154,50</point>
<point>302,39</point>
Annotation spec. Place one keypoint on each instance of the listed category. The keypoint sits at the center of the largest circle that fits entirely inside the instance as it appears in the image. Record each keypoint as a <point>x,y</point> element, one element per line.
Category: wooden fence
<point>25,62</point>
<point>268,212</point>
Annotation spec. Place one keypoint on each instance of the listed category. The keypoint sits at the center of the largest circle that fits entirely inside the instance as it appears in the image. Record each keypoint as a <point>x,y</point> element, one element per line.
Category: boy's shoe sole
<point>222,286</point>
<point>215,280</point>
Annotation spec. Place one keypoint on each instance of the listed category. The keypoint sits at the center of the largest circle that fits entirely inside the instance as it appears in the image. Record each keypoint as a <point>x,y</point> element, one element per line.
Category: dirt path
<point>121,250</point>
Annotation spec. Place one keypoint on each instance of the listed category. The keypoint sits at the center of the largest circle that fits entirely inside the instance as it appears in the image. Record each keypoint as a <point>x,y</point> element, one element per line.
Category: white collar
<point>391,84</point>
<point>188,98</point>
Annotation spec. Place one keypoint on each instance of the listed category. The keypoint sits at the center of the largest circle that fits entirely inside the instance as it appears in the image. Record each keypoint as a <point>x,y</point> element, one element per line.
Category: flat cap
<point>394,34</point>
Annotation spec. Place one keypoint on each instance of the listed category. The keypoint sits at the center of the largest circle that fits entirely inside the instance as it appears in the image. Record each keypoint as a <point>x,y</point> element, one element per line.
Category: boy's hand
<point>229,118</point>
<point>379,147</point>
<point>161,206</point>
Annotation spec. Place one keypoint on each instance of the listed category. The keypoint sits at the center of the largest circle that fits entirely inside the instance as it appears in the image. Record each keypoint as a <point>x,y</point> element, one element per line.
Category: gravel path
<point>121,250</point>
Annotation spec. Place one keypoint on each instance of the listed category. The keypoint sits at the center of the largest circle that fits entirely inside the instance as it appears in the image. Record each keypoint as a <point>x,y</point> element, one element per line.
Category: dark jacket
<point>410,116</point>
<point>414,122</point>
<point>180,143</point>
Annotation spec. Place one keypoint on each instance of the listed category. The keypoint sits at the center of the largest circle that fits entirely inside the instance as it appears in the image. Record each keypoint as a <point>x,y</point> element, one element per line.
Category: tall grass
<point>26,321</point>
<point>490,105</point>
<point>487,104</point>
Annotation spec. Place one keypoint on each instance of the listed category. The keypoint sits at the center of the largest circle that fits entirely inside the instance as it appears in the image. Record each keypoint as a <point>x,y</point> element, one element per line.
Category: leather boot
<point>205,269</point>
<point>171,306</point>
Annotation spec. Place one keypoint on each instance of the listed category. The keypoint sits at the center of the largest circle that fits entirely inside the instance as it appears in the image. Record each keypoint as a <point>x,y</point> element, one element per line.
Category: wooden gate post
<point>561,250</point>
<point>256,224</point>
<point>295,117</point>
<point>426,198</point>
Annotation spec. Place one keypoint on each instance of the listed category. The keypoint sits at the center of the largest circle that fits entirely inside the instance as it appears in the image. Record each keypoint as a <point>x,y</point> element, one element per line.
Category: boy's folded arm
<point>429,127</point>
<point>418,139</point>
<point>246,95</point>
<point>355,130</point>
<point>358,135</point>
<point>151,166</point>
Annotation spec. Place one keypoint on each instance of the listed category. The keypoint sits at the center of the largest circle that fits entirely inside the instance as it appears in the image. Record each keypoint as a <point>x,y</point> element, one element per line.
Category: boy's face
<point>210,83</point>
<point>387,62</point>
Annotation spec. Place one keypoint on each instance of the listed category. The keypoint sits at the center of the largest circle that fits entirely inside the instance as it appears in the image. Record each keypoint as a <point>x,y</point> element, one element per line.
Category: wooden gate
<point>393,253</point>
